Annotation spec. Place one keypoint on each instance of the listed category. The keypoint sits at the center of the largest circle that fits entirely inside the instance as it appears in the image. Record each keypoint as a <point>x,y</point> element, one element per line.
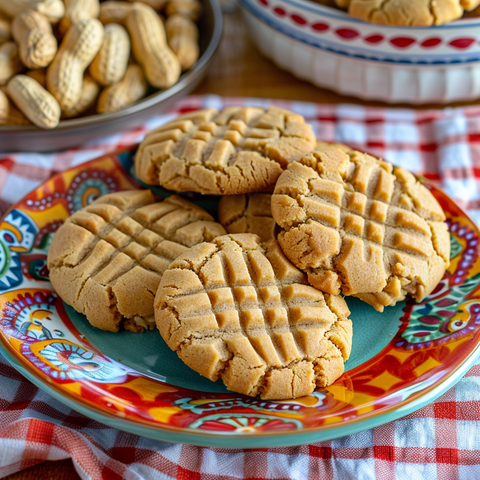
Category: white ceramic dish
<point>331,49</point>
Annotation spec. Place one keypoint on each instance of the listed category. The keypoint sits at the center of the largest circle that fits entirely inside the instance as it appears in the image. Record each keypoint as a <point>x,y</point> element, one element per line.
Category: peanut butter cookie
<point>107,259</point>
<point>239,310</point>
<point>238,150</point>
<point>359,226</point>
<point>409,13</point>
<point>250,213</point>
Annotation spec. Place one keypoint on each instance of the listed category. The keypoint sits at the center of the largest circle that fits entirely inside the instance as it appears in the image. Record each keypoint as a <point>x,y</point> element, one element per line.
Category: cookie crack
<point>86,251</point>
<point>189,177</point>
<point>82,285</point>
<point>235,218</point>
<point>413,198</point>
<point>199,267</point>
<point>380,8</point>
<point>337,343</point>
<point>432,11</point>
<point>434,242</point>
<point>254,173</point>
<point>113,307</point>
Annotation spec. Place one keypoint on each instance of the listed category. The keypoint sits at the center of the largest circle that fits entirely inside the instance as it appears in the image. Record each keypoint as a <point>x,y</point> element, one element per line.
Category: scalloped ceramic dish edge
<point>333,50</point>
<point>247,441</point>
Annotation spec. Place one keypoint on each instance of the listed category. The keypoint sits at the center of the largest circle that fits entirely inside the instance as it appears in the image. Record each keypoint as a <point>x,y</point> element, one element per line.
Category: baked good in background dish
<point>408,13</point>
<point>238,310</point>
<point>359,226</point>
<point>107,259</point>
<point>238,150</point>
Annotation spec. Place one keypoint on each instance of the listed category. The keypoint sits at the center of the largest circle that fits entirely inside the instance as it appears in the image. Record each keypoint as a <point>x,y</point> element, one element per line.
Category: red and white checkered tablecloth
<point>440,441</point>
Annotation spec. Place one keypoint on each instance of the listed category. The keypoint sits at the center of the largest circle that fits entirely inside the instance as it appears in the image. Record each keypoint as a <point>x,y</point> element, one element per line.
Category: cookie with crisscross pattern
<point>249,213</point>
<point>238,150</point>
<point>239,310</point>
<point>107,259</point>
<point>252,212</point>
<point>357,225</point>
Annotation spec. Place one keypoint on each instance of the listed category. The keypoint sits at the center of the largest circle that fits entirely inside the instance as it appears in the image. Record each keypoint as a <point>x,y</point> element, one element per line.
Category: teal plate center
<point>148,354</point>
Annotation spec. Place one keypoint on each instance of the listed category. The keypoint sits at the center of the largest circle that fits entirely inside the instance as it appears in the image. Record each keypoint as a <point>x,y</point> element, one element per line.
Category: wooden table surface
<point>238,70</point>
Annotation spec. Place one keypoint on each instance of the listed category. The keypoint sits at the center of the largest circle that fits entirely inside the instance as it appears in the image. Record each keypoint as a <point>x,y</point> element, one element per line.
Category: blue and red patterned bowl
<point>331,49</point>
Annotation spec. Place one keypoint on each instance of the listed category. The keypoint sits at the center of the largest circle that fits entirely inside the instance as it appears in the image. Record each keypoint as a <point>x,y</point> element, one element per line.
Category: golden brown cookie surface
<point>357,225</point>
<point>239,310</point>
<point>469,5</point>
<point>249,213</point>
<point>238,150</point>
<point>410,13</point>
<point>107,259</point>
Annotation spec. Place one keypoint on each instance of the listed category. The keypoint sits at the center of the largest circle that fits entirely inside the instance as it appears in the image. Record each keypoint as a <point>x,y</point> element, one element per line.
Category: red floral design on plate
<point>431,42</point>
<point>320,27</point>
<point>462,42</point>
<point>280,11</point>
<point>298,19</point>
<point>374,38</point>
<point>402,42</point>
<point>347,33</point>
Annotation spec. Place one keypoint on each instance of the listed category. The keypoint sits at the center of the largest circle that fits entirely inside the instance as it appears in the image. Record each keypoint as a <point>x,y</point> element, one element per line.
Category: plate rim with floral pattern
<point>437,341</point>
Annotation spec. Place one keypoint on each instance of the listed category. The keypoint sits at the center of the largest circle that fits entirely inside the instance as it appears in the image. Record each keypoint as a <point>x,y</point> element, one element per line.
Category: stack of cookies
<point>261,306</point>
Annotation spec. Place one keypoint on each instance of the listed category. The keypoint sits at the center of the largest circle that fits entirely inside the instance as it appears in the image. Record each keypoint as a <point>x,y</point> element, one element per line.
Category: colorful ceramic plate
<point>401,360</point>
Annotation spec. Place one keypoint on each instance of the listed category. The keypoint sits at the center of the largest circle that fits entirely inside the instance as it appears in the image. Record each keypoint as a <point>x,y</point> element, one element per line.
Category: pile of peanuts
<point>62,58</point>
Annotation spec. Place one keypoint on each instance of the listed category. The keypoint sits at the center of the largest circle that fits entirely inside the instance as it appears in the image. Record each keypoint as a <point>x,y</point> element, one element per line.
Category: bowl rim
<point>339,14</point>
<point>146,103</point>
<point>284,22</point>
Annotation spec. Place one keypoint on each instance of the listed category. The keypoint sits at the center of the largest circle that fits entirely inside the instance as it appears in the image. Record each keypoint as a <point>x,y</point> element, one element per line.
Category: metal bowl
<point>70,133</point>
